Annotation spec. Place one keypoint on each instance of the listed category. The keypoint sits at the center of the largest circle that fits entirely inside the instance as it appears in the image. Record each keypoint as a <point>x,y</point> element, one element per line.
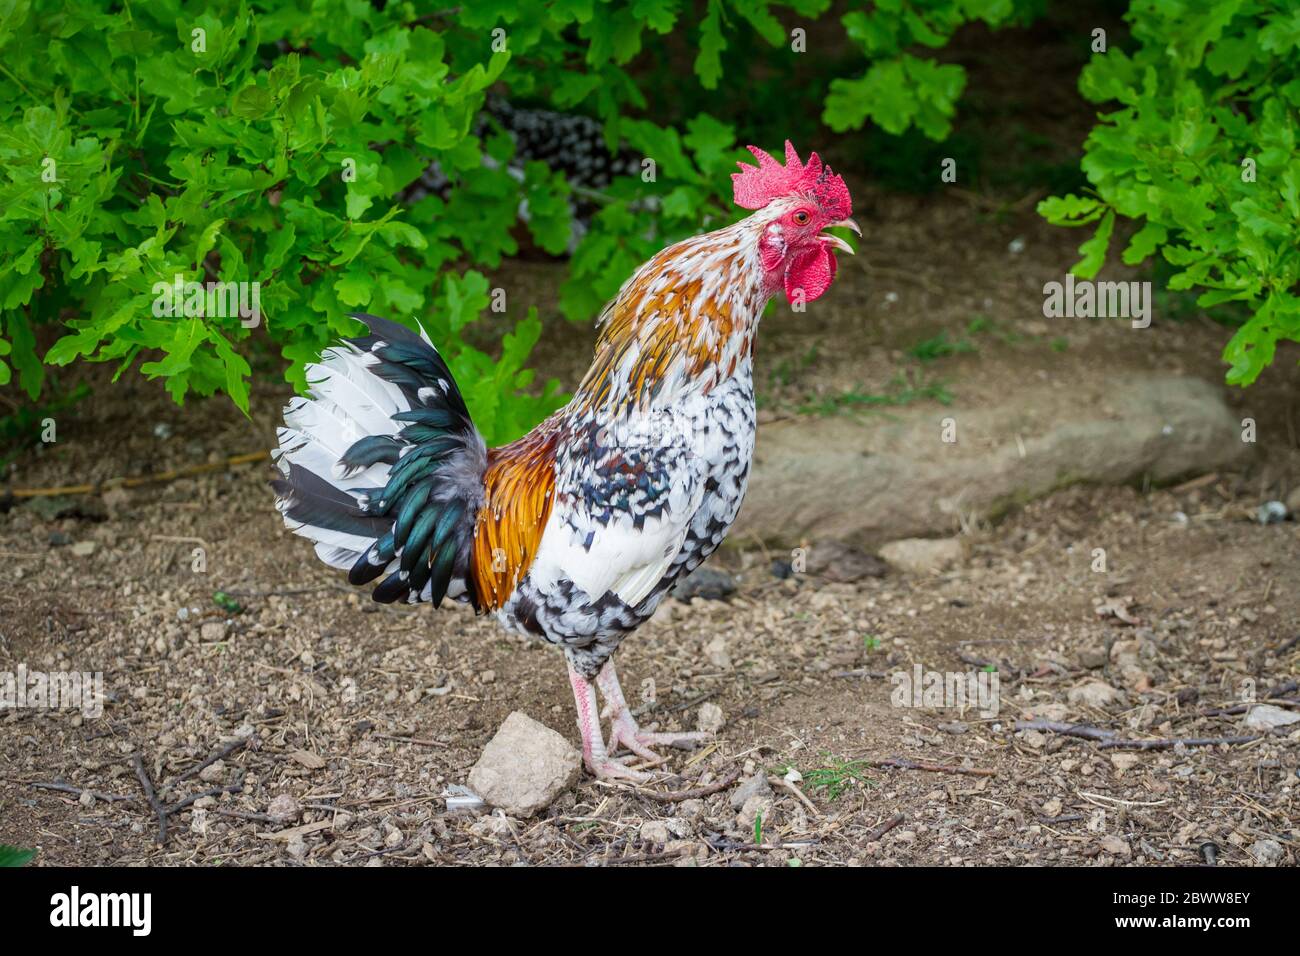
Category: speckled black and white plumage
<point>630,519</point>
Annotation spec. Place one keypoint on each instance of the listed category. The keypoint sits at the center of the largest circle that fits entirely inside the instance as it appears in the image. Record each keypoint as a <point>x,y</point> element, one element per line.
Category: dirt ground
<point>364,714</point>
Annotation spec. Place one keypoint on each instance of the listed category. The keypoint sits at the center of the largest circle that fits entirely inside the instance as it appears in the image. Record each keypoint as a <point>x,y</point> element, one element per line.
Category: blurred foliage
<point>1201,149</point>
<point>270,142</point>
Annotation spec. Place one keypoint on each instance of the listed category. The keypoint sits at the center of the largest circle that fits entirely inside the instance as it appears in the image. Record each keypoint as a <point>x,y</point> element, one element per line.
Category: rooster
<point>577,531</point>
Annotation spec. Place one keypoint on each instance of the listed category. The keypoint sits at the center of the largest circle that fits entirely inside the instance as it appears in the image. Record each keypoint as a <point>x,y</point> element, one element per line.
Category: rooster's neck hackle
<point>685,321</point>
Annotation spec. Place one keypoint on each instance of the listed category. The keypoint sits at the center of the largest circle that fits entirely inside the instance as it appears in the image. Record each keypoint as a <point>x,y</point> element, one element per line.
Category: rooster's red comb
<point>756,186</point>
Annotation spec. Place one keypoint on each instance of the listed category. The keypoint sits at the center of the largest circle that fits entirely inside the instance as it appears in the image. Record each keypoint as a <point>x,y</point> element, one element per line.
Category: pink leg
<point>594,754</point>
<point>623,728</point>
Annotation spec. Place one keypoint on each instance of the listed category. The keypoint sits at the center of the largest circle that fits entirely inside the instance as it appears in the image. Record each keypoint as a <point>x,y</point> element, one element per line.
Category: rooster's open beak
<point>836,241</point>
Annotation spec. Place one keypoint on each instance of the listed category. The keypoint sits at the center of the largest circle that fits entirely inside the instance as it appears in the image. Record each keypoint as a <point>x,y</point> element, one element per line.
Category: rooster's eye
<point>801,218</point>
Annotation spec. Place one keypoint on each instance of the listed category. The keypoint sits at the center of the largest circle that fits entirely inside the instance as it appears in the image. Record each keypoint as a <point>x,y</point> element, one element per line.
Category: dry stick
<point>1166,743</point>
<point>62,787</point>
<point>221,754</point>
<point>698,792</point>
<point>1069,730</point>
<point>214,792</point>
<point>884,828</point>
<point>902,763</point>
<point>1106,738</point>
<point>147,786</point>
<point>136,482</point>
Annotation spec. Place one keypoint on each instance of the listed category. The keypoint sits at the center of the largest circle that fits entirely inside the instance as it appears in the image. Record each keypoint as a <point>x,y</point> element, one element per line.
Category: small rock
<point>1267,852</point>
<point>691,809</point>
<point>708,583</point>
<point>710,718</point>
<point>308,759</point>
<point>759,803</point>
<point>923,555</point>
<point>297,848</point>
<point>525,767</point>
<point>1033,738</point>
<point>655,831</point>
<point>199,822</point>
<point>1122,762</point>
<point>1268,716</point>
<point>755,785</point>
<point>715,652</point>
<point>491,825</point>
<point>213,772</point>
<point>1116,846</point>
<point>83,549</point>
<point>1050,710</point>
<point>1052,808</point>
<point>87,799</point>
<point>956,727</point>
<point>284,809</point>
<point>488,677</point>
<point>213,631</point>
<point>1094,693</point>
<point>1092,657</point>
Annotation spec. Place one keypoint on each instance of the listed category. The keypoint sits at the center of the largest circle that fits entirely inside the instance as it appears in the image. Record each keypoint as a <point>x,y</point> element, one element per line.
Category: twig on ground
<point>147,786</point>
<point>424,742</point>
<point>214,792</point>
<point>1069,730</point>
<point>902,763</point>
<point>1166,743</point>
<point>62,787</point>
<point>1106,739</point>
<point>786,784</point>
<point>221,754</point>
<point>162,476</point>
<point>695,794</point>
<point>884,828</point>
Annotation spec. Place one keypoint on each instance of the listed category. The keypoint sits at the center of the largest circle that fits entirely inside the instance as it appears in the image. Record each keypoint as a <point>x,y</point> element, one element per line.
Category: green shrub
<point>270,142</point>
<point>1202,151</point>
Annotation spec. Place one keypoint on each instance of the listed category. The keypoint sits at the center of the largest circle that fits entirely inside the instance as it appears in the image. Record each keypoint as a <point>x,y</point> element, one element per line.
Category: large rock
<point>525,767</point>
<point>923,555</point>
<point>871,481</point>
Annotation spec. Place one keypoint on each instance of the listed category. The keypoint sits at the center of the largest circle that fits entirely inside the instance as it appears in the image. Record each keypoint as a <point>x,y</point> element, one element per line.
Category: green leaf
<point>13,856</point>
<point>1094,249</point>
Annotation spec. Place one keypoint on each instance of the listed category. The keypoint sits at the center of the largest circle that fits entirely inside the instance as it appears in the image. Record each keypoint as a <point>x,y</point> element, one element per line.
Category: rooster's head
<point>799,200</point>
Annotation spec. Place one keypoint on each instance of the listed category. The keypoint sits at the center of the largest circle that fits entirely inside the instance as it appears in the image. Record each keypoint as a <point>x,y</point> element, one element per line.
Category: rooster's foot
<point>624,731</point>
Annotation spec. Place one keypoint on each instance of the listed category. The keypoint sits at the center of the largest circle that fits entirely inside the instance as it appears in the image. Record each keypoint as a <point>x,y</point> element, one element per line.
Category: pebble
<point>1267,852</point>
<point>1268,716</point>
<point>284,809</point>
<point>1094,693</point>
<point>752,786</point>
<point>923,555</point>
<point>710,718</point>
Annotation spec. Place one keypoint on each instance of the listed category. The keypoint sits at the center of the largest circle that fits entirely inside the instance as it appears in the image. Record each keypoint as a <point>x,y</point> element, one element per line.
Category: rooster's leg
<point>623,727</point>
<point>594,754</point>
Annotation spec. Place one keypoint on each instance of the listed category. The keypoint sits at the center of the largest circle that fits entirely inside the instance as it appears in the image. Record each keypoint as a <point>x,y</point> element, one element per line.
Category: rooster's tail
<point>383,468</point>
